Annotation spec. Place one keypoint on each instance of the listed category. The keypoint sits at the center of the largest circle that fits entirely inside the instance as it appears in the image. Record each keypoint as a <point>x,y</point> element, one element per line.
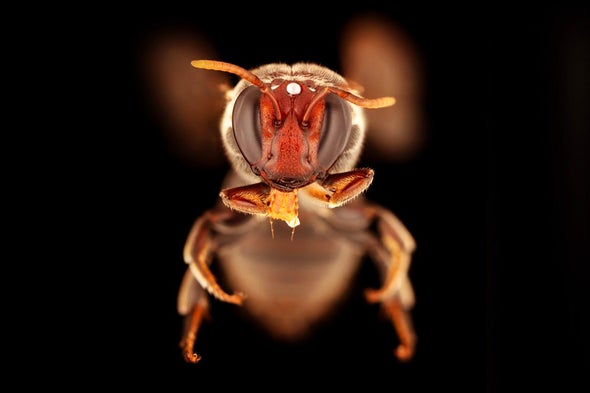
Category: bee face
<point>294,131</point>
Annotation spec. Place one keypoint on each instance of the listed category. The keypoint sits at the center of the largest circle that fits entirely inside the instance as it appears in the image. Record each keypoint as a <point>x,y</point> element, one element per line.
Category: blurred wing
<point>187,103</point>
<point>379,56</point>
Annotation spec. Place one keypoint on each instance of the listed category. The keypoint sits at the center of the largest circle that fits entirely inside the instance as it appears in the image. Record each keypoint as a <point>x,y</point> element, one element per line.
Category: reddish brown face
<point>292,134</point>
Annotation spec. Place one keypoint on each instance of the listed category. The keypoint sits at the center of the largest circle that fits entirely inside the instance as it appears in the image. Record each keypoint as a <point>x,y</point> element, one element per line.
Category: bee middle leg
<point>199,282</point>
<point>393,252</point>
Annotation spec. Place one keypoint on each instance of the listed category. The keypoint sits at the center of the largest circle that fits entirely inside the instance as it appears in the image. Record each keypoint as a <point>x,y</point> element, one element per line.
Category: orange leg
<point>402,323</point>
<point>188,342</point>
<point>340,188</point>
<point>399,245</point>
<point>197,254</point>
<point>397,271</point>
<point>393,253</point>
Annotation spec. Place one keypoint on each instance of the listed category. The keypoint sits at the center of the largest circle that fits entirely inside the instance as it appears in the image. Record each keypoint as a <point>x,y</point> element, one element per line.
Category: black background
<point>497,200</point>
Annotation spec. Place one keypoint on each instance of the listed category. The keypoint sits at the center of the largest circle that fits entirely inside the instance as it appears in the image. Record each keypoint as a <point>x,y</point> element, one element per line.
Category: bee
<point>293,223</point>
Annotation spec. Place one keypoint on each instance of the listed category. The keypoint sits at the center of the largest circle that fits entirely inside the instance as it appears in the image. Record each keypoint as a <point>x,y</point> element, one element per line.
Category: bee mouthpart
<point>288,184</point>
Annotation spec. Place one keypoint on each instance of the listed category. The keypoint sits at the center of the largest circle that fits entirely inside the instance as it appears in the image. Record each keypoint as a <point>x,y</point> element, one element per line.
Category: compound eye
<point>336,129</point>
<point>246,124</point>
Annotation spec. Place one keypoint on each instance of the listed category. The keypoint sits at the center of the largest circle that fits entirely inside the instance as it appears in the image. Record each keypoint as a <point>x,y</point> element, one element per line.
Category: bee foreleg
<point>339,188</point>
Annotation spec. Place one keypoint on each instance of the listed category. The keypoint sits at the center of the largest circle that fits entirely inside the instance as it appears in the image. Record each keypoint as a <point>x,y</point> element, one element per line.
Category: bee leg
<point>193,305</point>
<point>198,249</point>
<point>198,280</point>
<point>393,253</point>
<point>190,336</point>
<point>398,312</point>
<point>338,189</point>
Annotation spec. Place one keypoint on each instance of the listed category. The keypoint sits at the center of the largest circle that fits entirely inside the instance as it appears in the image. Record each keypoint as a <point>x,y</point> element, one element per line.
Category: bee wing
<point>186,103</point>
<point>380,56</point>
